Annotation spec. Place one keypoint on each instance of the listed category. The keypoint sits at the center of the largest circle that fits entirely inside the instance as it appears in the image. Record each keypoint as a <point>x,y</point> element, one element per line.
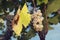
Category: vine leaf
<point>24,19</point>
<point>42,1</point>
<point>54,6</point>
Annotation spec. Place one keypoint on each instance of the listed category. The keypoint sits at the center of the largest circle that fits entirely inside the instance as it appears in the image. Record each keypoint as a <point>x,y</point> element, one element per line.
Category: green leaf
<point>54,20</point>
<point>39,2</point>
<point>50,28</point>
<point>30,34</point>
<point>45,1</point>
<point>42,1</point>
<point>54,6</point>
<point>59,18</point>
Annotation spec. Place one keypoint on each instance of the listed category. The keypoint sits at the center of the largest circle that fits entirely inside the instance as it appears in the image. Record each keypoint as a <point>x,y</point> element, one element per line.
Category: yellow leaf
<point>1,20</point>
<point>25,16</point>
<point>24,19</point>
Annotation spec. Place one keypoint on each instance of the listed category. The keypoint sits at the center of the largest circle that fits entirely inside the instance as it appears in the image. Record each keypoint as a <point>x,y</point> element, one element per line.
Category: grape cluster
<point>37,19</point>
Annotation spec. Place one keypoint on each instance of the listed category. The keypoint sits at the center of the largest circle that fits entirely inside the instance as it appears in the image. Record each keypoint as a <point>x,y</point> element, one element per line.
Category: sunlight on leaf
<point>42,1</point>
<point>1,20</point>
<point>24,19</point>
<point>45,1</point>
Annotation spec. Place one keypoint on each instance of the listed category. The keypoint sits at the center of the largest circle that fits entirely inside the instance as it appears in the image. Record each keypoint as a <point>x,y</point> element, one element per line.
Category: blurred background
<point>8,9</point>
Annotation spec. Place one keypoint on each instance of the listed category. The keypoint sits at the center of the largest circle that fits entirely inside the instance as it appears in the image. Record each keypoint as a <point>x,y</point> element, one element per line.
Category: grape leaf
<point>54,6</point>
<point>1,20</point>
<point>42,1</point>
<point>24,19</point>
<point>25,16</point>
<point>54,20</point>
<point>45,1</point>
